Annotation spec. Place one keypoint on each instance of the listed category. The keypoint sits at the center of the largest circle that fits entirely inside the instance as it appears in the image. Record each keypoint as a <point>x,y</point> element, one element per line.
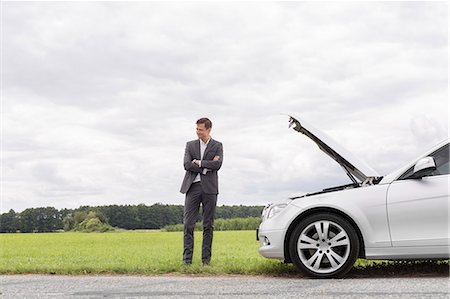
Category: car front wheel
<point>324,245</point>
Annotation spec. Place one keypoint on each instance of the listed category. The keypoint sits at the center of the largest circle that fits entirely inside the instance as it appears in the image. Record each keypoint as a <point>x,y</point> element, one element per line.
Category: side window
<point>441,157</point>
<point>442,162</point>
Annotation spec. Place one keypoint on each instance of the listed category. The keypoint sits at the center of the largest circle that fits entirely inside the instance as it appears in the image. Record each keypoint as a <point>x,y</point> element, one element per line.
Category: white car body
<point>394,218</point>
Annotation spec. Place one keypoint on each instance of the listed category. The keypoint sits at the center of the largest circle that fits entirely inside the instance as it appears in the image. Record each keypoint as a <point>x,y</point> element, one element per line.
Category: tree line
<point>156,216</point>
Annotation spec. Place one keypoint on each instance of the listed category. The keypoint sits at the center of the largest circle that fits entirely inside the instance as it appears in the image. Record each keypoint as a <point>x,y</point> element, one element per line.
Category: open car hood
<point>356,169</point>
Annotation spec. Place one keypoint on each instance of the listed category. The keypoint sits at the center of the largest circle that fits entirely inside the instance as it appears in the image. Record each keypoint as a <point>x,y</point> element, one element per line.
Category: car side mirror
<point>424,167</point>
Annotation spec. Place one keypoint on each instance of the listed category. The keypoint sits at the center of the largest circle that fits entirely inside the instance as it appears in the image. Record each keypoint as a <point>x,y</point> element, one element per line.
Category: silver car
<point>402,215</point>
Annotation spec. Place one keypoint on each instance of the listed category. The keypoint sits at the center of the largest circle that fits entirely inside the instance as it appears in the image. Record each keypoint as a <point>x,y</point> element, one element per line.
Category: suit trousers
<point>194,197</point>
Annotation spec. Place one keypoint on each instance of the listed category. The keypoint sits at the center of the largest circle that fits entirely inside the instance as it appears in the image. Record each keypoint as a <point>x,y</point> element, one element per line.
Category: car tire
<point>324,245</point>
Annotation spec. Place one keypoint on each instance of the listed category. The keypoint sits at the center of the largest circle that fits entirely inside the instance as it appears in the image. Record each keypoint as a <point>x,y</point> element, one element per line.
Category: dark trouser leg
<point>191,207</point>
<point>209,210</point>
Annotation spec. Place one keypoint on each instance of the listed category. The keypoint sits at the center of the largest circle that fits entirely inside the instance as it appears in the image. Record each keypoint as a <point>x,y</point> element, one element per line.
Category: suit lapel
<point>197,150</point>
<point>208,147</point>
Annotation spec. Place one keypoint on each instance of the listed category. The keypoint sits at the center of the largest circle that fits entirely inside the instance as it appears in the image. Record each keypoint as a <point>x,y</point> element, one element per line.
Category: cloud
<point>425,127</point>
<point>99,98</point>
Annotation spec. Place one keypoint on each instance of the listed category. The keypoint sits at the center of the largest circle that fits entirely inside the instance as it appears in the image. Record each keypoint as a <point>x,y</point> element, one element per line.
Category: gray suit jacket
<point>209,181</point>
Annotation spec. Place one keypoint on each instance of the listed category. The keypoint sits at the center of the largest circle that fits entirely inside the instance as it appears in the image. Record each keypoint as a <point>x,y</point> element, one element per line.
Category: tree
<point>9,222</point>
<point>124,216</point>
<point>47,219</point>
<point>40,220</point>
<point>68,223</point>
<point>27,221</point>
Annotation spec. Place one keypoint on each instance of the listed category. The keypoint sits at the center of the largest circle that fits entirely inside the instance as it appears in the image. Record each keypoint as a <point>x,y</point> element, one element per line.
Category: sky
<point>99,98</point>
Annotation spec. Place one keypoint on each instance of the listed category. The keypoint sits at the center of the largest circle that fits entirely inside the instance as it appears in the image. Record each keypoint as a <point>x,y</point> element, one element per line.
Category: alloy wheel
<point>323,246</point>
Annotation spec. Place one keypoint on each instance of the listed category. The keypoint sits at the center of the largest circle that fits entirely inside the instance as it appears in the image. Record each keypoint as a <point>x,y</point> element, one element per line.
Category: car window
<point>441,157</point>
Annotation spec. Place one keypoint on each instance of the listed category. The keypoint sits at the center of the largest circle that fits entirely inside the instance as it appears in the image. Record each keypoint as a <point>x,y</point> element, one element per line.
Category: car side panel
<point>408,252</point>
<point>418,211</point>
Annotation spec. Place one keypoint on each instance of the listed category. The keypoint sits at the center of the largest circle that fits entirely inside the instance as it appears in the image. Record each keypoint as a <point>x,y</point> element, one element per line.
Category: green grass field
<point>137,252</point>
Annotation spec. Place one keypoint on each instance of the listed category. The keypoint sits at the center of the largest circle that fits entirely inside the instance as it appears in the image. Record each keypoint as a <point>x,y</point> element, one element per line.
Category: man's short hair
<point>205,121</point>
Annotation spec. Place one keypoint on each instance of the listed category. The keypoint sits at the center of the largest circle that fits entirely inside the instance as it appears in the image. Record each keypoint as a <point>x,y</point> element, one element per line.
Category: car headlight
<point>275,209</point>
<point>264,212</point>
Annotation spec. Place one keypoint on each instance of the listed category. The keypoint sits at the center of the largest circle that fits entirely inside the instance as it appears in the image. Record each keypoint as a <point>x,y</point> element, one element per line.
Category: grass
<point>148,253</point>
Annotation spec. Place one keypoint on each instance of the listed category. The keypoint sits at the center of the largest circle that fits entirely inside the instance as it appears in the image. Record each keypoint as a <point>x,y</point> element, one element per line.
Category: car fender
<point>366,206</point>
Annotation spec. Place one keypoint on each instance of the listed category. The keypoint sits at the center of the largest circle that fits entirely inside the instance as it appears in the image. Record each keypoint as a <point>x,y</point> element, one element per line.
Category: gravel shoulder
<point>239,286</point>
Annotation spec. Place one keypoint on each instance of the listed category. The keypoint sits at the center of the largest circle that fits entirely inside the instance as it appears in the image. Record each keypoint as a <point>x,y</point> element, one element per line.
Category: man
<point>202,159</point>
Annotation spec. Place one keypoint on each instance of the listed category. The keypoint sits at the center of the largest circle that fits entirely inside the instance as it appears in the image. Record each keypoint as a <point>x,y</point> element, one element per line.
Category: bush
<point>173,228</point>
<point>78,217</point>
<point>249,223</point>
<point>94,225</point>
<point>90,222</point>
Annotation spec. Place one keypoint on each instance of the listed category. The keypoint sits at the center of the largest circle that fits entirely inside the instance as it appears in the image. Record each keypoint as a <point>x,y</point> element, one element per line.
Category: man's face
<point>202,132</point>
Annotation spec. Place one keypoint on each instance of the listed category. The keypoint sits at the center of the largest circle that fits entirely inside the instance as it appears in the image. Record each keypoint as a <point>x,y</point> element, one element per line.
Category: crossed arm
<point>198,166</point>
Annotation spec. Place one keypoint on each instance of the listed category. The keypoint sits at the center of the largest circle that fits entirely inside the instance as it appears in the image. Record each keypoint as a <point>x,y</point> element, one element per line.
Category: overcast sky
<point>99,98</point>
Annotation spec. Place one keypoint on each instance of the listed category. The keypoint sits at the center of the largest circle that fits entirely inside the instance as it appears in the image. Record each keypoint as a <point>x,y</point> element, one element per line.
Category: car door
<point>418,208</point>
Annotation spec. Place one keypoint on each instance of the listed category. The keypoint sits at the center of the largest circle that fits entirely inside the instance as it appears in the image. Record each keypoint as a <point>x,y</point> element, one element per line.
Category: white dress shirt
<point>203,146</point>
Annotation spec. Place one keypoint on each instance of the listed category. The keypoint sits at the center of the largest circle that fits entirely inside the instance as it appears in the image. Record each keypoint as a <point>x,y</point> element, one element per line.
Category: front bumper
<point>271,243</point>
<point>272,231</point>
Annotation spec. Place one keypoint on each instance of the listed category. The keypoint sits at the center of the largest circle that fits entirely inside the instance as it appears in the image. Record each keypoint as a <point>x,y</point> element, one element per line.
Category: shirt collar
<point>206,141</point>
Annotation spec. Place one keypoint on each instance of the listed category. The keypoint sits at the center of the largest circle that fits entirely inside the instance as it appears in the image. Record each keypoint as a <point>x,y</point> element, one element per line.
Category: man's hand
<point>216,158</point>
